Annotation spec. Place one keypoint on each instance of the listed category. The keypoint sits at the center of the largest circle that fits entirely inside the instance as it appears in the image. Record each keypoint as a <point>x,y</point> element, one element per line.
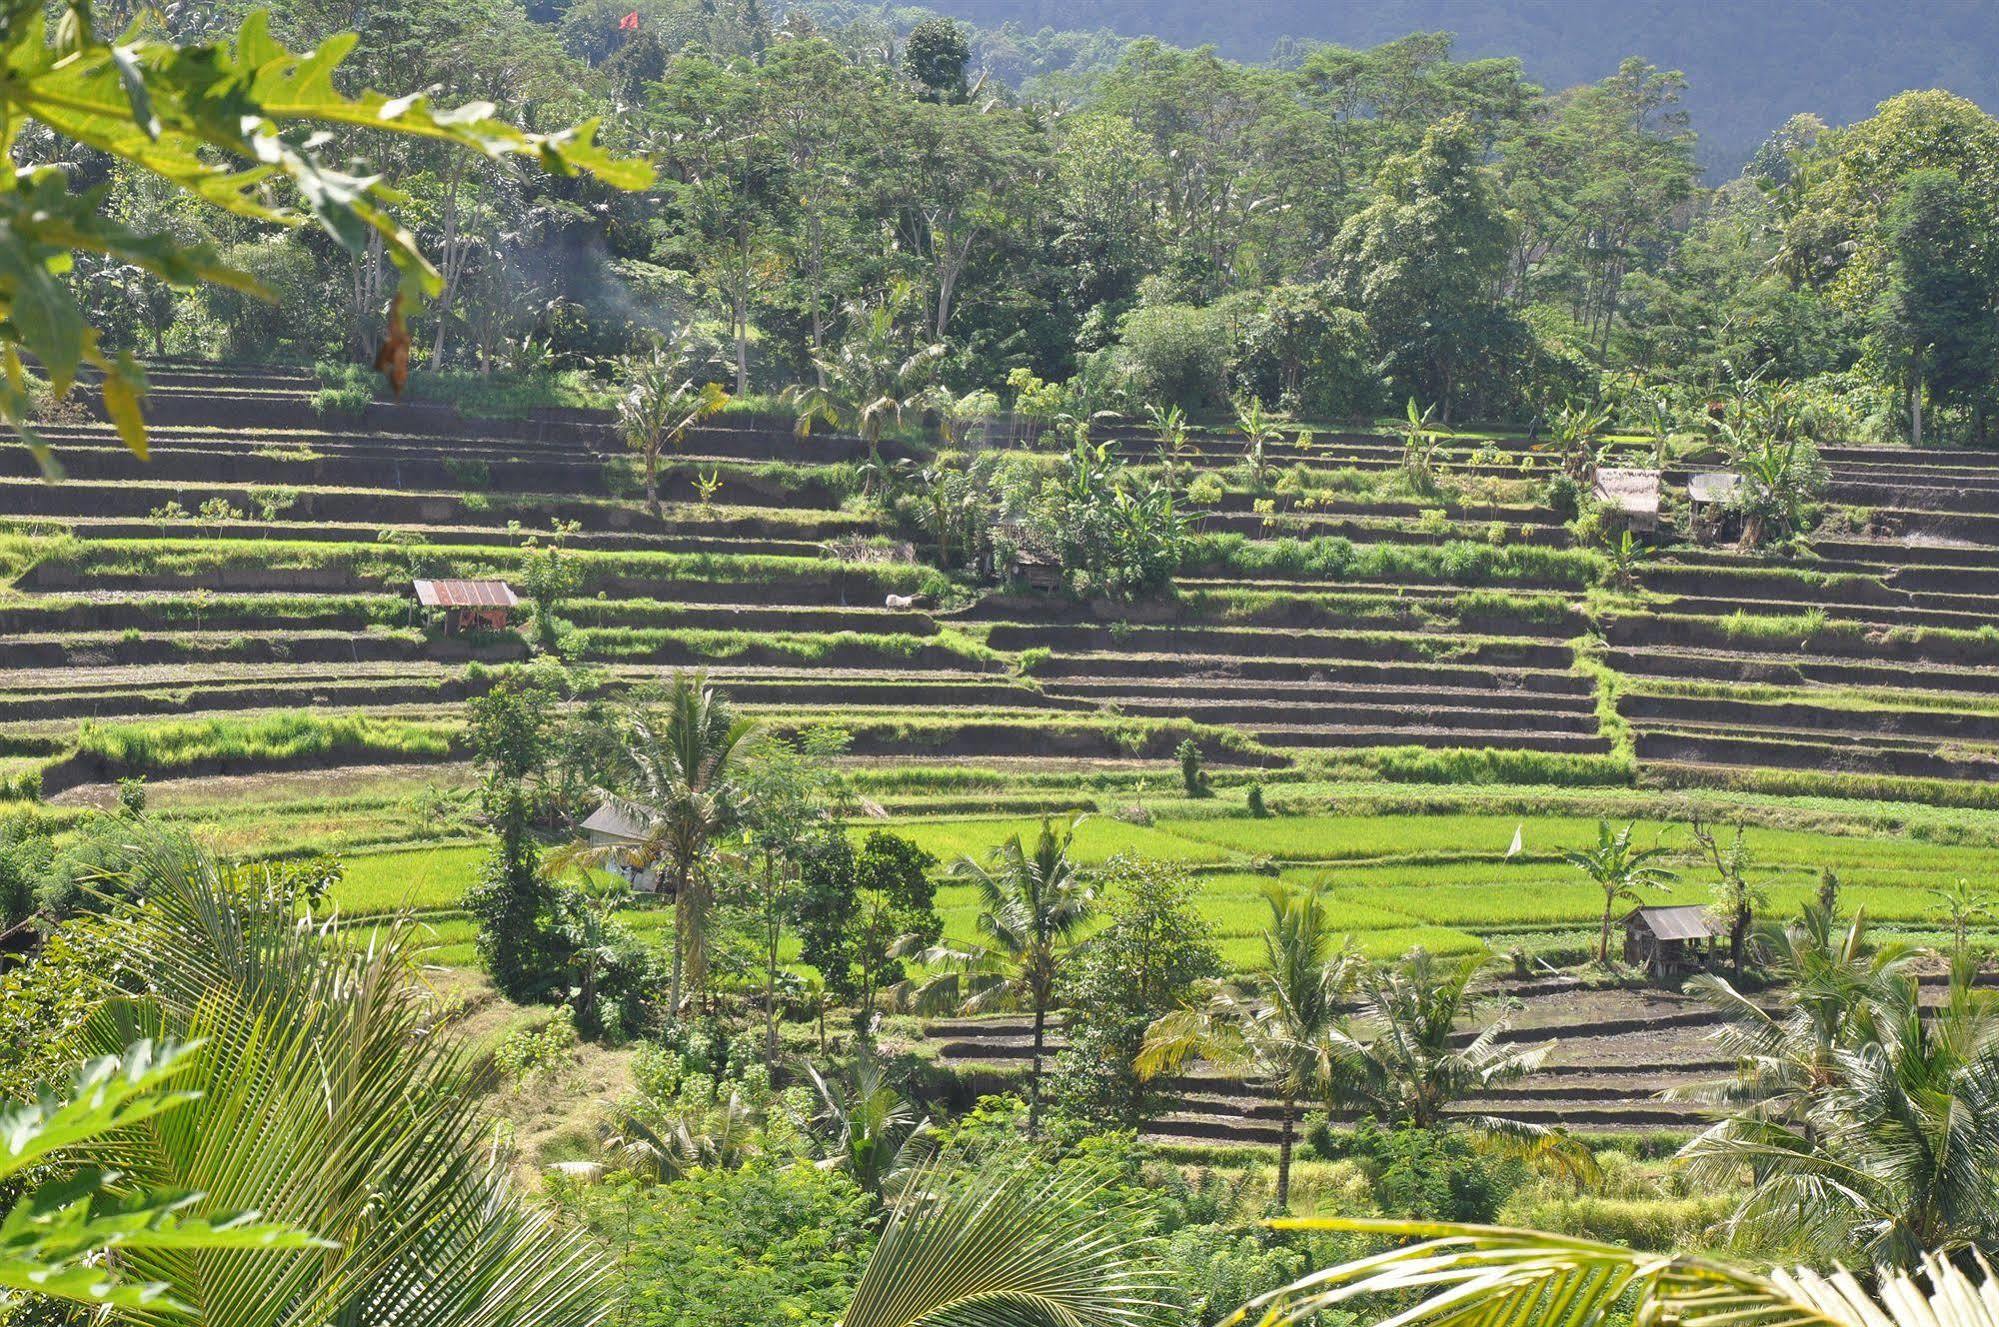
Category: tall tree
<point>861,909</point>
<point>1280,1027</point>
<point>1621,870</point>
<point>935,54</point>
<point>1033,903</point>
<point>1144,962</point>
<point>1937,321</point>
<point>680,788</point>
<point>1423,262</point>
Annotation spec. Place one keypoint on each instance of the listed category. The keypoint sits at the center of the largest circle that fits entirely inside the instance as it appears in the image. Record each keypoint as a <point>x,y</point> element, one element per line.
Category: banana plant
<point>1260,431</point>
<point>1420,445</point>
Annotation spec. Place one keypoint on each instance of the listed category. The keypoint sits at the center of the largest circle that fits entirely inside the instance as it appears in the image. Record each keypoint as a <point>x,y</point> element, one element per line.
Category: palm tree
<point>680,765</point>
<point>1400,1058</point>
<point>1620,870</point>
<point>325,1094</point>
<point>876,376</point>
<point>864,1125</point>
<point>1873,1134</point>
<point>1032,905</point>
<point>666,395</point>
<point>1833,977</point>
<point>1490,1276</point>
<point>665,1140</point>
<point>1281,1030</point>
<point>53,1243</point>
<point>1403,1058</point>
<point>1019,1243</point>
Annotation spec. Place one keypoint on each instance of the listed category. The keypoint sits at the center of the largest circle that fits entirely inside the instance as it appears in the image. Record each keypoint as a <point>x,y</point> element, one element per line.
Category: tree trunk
<point>1034,1071</point>
<point>451,254</point>
<point>1603,940</point>
<point>1916,413</point>
<point>770,1004</point>
<point>1284,1154</point>
<point>679,937</point>
<point>742,347</point>
<point>652,481</point>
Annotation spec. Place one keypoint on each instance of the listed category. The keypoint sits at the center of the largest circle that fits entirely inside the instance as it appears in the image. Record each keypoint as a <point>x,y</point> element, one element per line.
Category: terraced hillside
<point>175,615</point>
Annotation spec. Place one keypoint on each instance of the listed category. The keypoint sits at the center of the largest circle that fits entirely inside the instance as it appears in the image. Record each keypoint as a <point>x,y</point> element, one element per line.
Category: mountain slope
<point>1751,65</point>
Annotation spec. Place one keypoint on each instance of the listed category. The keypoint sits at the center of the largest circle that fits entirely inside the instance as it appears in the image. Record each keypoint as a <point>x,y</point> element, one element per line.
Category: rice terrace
<point>1406,684</point>
<point>819,649</point>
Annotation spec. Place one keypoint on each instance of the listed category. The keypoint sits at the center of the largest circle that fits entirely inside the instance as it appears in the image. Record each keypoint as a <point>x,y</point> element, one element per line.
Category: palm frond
<point>1023,1244</point>
<point>1491,1276</point>
<point>330,1099</point>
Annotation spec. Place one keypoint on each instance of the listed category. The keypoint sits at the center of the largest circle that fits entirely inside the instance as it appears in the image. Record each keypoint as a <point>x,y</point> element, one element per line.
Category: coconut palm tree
<point>1834,976</point>
<point>65,1236</point>
<point>1280,1029</point>
<point>878,374</point>
<point>1033,903</point>
<point>864,1125</point>
<point>1874,1137</point>
<point>667,394</point>
<point>1403,1058</point>
<point>326,1093</point>
<point>680,763</point>
<point>1014,1243</point>
<point>1400,1058</point>
<point>1620,870</point>
<point>1490,1276</point>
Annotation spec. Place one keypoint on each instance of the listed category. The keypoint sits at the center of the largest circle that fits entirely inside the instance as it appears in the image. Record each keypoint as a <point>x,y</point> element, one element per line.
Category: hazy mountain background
<point>1751,63</point>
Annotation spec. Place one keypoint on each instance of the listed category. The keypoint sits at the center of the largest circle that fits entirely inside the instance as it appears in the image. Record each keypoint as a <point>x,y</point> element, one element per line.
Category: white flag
<point>1514,851</point>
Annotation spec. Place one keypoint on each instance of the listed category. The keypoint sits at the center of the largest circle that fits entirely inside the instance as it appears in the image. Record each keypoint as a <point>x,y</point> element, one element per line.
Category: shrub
<point>1178,354</point>
<point>538,1049</point>
<point>1192,775</point>
<point>1420,1173</point>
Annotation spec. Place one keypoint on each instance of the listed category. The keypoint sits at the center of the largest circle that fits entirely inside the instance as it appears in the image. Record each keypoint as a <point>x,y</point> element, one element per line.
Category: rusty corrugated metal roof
<point>465,594</point>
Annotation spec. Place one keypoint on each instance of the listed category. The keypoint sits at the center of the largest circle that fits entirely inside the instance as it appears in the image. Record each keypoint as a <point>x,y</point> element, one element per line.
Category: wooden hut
<point>1669,942</point>
<point>1629,497</point>
<point>1708,496</point>
<point>1038,571</point>
<point>611,828</point>
<point>469,605</point>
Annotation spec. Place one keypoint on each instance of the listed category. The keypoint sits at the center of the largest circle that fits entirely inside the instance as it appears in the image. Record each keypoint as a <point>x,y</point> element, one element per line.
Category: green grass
<point>376,563</point>
<point>1459,562</point>
<point>143,747</point>
<point>1392,881</point>
<point>432,879</point>
<point>1097,840</point>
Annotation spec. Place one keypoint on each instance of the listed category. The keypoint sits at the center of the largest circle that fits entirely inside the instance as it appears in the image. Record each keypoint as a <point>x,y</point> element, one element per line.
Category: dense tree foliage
<point>853,206</point>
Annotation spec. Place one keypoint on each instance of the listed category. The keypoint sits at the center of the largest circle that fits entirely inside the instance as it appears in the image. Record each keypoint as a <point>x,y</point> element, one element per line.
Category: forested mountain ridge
<point>1749,66</point>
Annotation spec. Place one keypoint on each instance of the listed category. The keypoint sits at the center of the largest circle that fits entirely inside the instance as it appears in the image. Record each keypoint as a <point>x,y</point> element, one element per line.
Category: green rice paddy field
<point>1394,881</point>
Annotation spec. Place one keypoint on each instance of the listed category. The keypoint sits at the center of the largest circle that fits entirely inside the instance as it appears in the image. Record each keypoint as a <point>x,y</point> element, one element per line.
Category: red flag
<point>630,22</point>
